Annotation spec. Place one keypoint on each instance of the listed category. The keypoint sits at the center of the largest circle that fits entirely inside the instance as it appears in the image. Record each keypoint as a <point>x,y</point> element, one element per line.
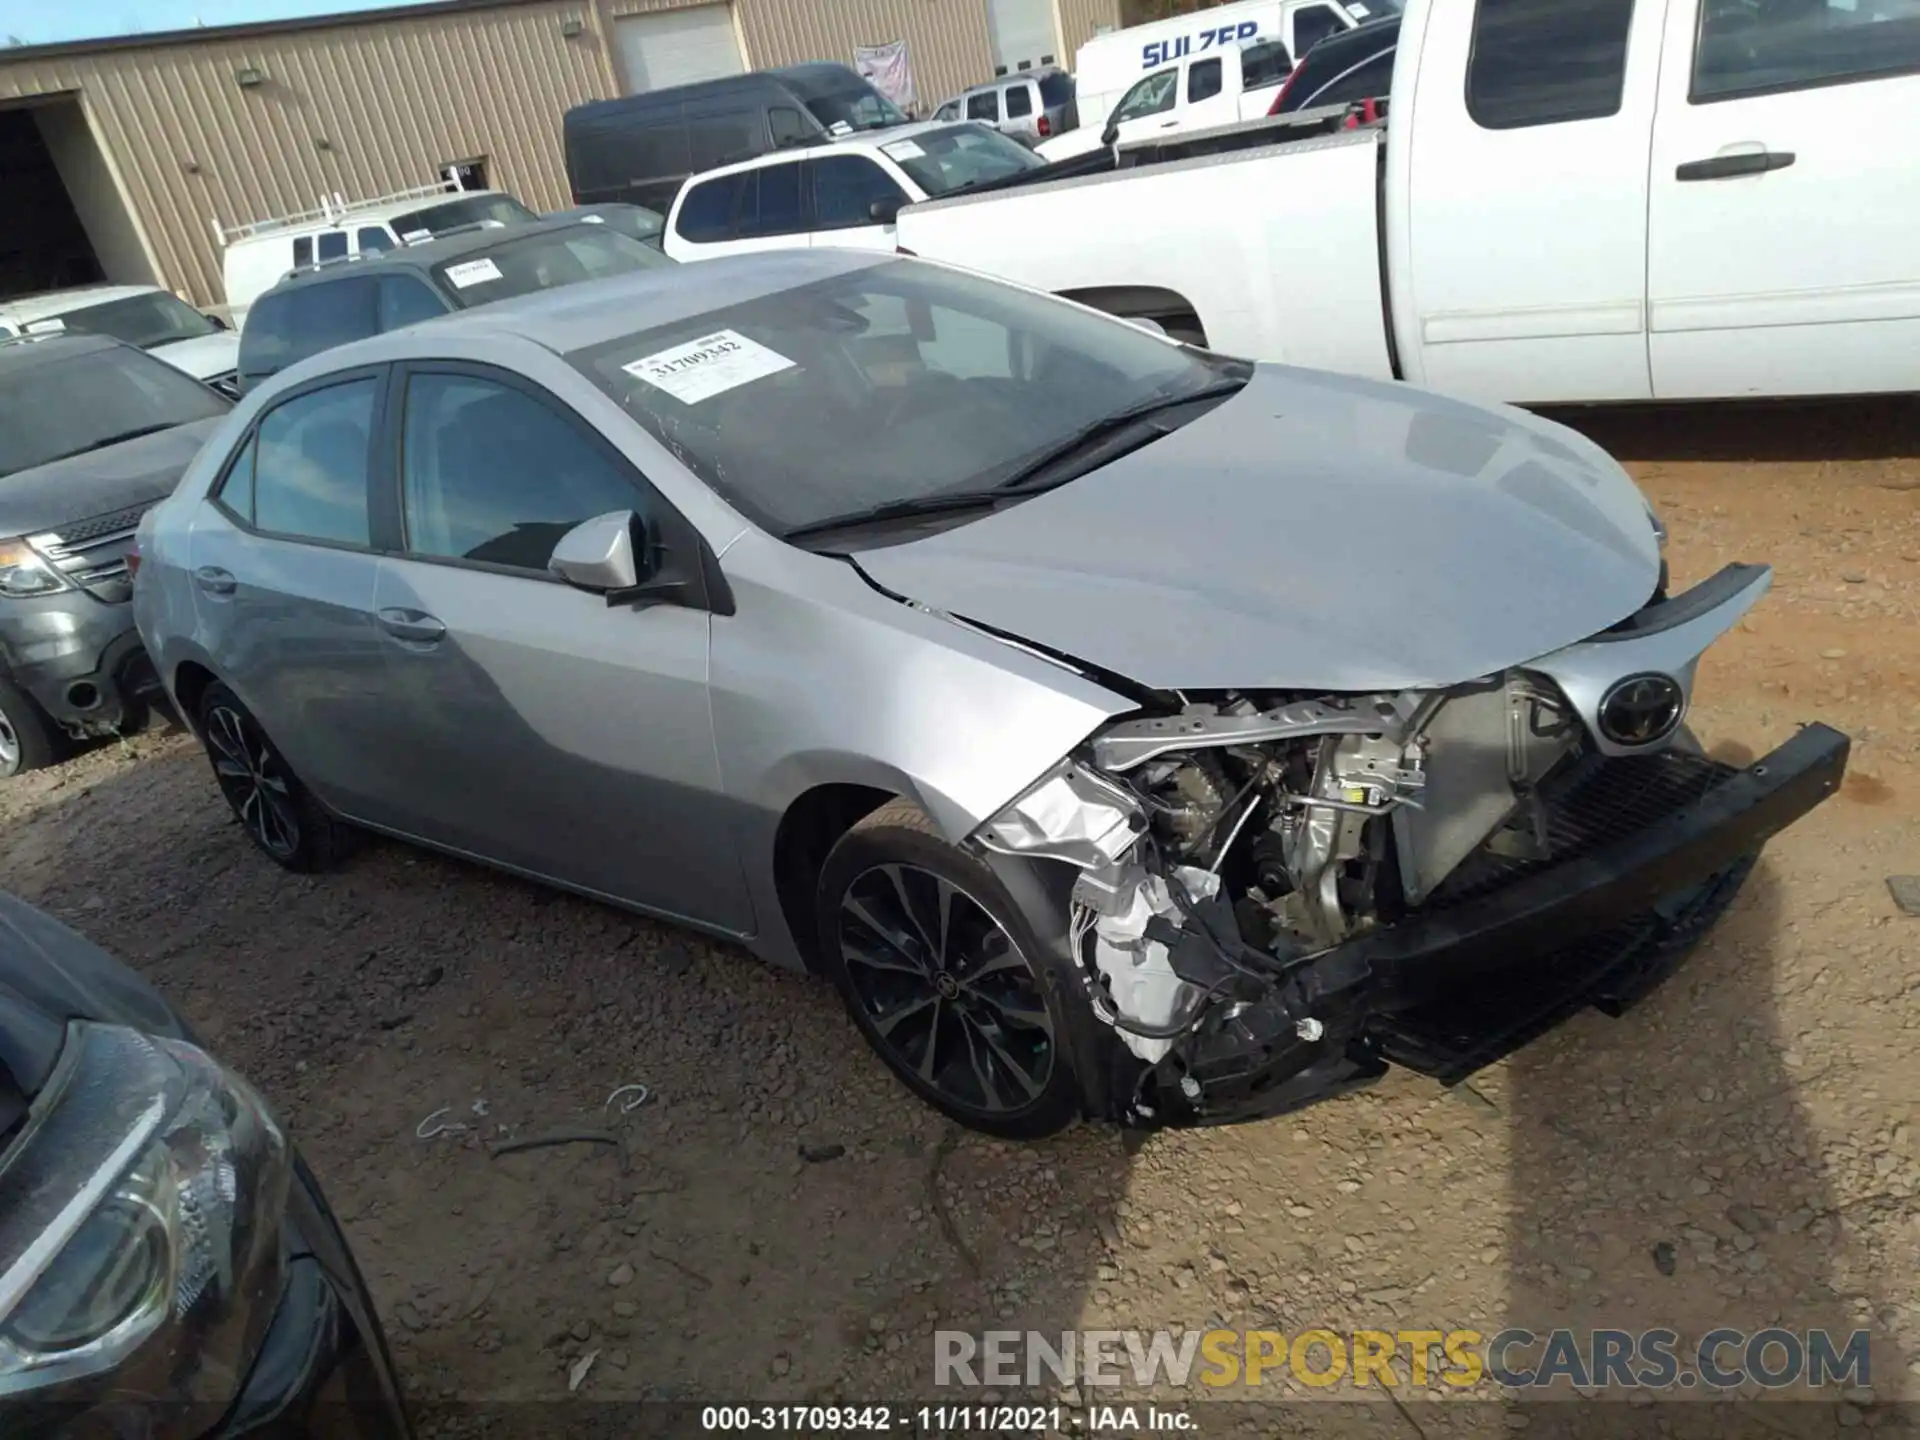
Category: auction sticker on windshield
<point>709,366</point>
<point>903,150</point>
<point>471,272</point>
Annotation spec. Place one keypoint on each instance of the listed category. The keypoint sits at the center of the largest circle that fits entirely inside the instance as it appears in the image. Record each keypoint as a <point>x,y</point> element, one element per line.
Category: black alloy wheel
<point>276,810</point>
<point>936,965</point>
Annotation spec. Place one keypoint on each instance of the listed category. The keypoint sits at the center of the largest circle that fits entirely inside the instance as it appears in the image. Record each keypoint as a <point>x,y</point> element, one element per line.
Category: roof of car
<point>30,350</point>
<point>24,309</point>
<point>578,317</point>
<point>862,140</point>
<point>425,254</point>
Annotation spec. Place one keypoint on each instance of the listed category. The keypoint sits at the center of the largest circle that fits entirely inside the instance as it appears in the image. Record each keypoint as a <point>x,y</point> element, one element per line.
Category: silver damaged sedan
<point>1126,730</point>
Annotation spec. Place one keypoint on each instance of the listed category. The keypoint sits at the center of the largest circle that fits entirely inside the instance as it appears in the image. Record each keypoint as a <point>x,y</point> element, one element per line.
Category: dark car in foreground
<point>1344,69</point>
<point>93,433</point>
<point>168,1266</point>
<point>321,306</point>
<point>636,222</point>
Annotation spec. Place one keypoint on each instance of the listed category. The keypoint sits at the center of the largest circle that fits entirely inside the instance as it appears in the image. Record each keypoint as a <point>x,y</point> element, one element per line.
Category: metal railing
<point>331,208</point>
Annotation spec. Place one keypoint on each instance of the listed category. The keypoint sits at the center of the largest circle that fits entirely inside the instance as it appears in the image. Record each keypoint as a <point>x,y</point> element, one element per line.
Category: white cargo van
<point>1107,66</point>
<point>258,254</point>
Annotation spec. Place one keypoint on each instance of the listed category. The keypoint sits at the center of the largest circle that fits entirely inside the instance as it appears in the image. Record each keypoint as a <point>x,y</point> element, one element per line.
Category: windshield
<point>891,383</point>
<point>942,161</point>
<point>452,214</point>
<point>542,262</point>
<point>146,320</point>
<point>64,406</point>
<point>855,108</point>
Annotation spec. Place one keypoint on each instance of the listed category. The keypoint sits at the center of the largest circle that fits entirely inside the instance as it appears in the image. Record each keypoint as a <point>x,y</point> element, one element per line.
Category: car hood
<point>50,975</point>
<point>204,356</point>
<point>1314,532</point>
<point>100,481</point>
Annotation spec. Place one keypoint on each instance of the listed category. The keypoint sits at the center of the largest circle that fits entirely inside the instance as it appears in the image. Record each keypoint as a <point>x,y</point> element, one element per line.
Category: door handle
<point>214,580</point>
<point>1728,167</point>
<point>413,625</point>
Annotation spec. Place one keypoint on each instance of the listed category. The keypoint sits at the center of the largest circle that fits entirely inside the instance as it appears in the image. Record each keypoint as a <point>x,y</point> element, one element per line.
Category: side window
<point>948,111</point>
<point>845,188</point>
<point>494,475</point>
<point>303,250</point>
<point>984,106</point>
<point>1203,80</point>
<point>372,239</point>
<point>786,126</point>
<point>1367,81</point>
<point>1151,96</point>
<point>310,476</point>
<point>1263,64</point>
<point>405,300</point>
<point>708,212</point>
<point>774,208</point>
<point>1314,24</point>
<point>1748,49</point>
<point>1545,64</point>
<point>1019,102</point>
<point>236,488</point>
<point>333,244</point>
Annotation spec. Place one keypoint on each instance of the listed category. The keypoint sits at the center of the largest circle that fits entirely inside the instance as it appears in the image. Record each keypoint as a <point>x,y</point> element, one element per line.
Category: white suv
<point>845,193</point>
<point>154,320</point>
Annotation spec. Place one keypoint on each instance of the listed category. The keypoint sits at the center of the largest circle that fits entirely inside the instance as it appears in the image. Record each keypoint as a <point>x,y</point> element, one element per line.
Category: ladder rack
<point>331,207</point>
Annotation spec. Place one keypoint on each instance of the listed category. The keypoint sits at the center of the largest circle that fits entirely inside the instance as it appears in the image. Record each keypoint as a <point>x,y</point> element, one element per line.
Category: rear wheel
<point>278,813</point>
<point>29,740</point>
<point>945,978</point>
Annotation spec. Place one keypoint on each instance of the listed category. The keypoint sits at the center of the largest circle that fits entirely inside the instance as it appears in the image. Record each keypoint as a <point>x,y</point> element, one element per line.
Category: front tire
<point>279,814</point>
<point>945,978</point>
<point>29,740</point>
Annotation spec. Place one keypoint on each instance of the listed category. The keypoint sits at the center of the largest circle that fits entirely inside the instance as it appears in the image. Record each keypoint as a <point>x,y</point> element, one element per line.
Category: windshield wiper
<point>122,437</point>
<point>1090,442</point>
<point>898,510</point>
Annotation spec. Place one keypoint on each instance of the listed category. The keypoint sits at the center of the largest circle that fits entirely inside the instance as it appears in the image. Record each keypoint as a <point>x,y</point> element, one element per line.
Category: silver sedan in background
<point>1127,730</point>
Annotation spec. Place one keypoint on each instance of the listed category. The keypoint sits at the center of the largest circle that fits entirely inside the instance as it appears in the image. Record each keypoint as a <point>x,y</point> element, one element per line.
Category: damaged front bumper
<point>1645,853</point>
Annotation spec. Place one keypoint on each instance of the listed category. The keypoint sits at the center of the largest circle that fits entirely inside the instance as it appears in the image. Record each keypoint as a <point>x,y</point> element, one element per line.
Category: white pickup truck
<point>1598,200</point>
<point>1236,82</point>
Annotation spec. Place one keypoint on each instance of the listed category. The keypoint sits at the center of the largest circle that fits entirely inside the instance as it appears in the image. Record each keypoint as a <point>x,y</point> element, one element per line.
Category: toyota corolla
<point>1128,731</point>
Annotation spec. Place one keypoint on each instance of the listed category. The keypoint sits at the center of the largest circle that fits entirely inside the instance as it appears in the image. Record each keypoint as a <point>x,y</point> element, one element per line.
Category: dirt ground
<point>1753,1122</point>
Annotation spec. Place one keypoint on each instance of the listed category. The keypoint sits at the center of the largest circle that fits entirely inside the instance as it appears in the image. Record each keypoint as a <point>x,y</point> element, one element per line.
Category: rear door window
<point>709,212</point>
<point>1203,80</point>
<point>845,188</point>
<point>774,204</point>
<point>333,244</point>
<point>984,106</point>
<point>1535,64</point>
<point>310,471</point>
<point>1019,102</point>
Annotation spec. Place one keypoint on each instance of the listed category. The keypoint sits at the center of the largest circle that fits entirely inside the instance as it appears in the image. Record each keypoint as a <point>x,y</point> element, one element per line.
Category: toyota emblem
<point>1642,709</point>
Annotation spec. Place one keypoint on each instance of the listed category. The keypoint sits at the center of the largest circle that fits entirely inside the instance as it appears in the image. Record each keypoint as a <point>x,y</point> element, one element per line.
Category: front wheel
<point>945,978</point>
<point>29,740</point>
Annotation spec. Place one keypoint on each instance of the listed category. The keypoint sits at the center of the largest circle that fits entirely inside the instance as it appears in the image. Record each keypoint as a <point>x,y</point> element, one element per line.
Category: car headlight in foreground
<point>140,1236</point>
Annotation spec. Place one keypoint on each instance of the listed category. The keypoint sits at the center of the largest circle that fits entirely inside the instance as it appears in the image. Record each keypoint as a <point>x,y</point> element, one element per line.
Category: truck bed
<point>1260,230</point>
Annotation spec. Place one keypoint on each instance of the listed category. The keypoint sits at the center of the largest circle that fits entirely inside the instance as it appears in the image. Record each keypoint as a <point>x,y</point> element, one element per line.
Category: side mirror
<point>1111,133</point>
<point>1152,327</point>
<point>884,212</point>
<point>606,555</point>
<point>218,323</point>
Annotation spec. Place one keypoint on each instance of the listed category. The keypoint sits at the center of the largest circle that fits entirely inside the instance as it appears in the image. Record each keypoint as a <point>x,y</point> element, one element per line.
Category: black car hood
<point>138,472</point>
<point>50,975</point>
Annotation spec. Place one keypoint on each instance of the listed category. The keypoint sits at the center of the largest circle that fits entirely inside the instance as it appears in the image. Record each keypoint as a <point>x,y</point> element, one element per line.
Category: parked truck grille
<point>92,553</point>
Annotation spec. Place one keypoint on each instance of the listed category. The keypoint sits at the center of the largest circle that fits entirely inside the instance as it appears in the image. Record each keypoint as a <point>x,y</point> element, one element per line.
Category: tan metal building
<point>119,157</point>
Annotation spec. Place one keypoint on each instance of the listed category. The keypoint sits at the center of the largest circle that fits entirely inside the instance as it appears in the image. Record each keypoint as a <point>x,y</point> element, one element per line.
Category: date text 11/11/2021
<point>937,1419</point>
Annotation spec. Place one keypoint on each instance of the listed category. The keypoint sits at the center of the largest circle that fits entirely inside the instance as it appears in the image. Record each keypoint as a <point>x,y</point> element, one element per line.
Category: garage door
<point>677,47</point>
<point>1021,33</point>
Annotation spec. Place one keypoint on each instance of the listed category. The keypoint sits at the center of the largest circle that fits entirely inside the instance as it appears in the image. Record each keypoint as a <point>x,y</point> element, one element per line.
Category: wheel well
<point>1152,302</point>
<point>807,832</point>
<point>190,682</point>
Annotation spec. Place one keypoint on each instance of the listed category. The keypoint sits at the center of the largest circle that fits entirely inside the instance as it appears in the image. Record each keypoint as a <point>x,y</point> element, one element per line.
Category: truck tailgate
<point>1275,249</point>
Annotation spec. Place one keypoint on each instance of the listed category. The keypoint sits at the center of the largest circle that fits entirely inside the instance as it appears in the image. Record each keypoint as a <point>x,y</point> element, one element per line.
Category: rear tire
<point>29,740</point>
<point>944,976</point>
<point>279,814</point>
